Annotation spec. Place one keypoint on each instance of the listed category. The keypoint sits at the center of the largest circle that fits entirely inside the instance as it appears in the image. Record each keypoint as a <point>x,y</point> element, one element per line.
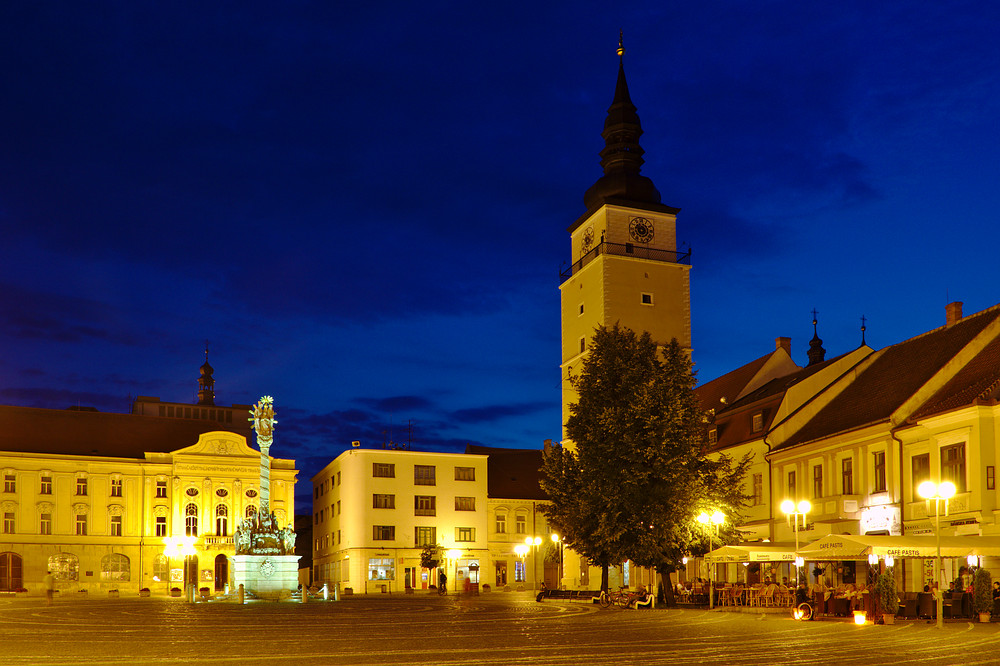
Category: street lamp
<point>793,511</point>
<point>556,539</point>
<point>937,493</point>
<point>707,521</point>
<point>533,543</point>
<point>453,554</point>
<point>182,547</point>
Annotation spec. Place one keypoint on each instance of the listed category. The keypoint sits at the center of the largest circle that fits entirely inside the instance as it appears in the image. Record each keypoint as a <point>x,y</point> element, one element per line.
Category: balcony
<point>218,542</point>
<point>638,251</point>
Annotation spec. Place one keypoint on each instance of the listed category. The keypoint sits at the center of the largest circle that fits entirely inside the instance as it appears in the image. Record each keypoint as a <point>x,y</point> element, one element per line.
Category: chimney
<point>953,313</point>
<point>783,343</point>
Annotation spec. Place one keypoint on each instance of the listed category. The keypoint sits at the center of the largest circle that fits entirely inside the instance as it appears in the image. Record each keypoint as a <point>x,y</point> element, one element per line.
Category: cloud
<point>493,413</point>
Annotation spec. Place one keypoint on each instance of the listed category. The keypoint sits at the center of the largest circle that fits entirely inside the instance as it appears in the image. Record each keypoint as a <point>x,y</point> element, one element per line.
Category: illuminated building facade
<point>94,496</point>
<point>375,509</point>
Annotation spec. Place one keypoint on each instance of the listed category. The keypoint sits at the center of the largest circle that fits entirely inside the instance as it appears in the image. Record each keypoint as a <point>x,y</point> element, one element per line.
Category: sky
<point>363,207</point>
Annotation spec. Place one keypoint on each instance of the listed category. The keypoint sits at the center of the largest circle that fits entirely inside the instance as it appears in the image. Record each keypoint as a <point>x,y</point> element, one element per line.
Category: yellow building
<point>93,496</point>
<point>375,509</point>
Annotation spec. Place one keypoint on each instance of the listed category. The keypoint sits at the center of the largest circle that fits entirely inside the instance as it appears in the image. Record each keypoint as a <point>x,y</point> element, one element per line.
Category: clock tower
<point>626,268</point>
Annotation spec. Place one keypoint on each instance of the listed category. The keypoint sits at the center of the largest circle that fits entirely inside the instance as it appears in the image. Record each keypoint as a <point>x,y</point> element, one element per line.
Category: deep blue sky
<point>364,205</point>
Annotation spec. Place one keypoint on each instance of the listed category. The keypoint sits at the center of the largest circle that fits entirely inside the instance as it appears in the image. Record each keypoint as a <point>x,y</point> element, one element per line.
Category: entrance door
<point>501,569</point>
<point>221,572</point>
<point>10,572</point>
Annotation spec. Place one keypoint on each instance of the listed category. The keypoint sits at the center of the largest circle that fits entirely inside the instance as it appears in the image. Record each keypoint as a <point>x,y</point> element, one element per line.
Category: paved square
<point>498,628</point>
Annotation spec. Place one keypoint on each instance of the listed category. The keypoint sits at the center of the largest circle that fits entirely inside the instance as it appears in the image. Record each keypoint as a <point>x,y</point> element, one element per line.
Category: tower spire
<point>621,157</point>
<point>206,383</point>
<point>816,352</point>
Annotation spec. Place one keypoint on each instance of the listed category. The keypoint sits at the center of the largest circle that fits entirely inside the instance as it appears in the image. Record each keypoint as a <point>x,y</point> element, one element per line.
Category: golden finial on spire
<point>621,46</point>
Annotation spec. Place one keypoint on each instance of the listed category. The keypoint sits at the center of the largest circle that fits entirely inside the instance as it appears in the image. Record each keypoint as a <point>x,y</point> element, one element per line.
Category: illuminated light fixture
<point>800,561</point>
<point>797,614</point>
<point>521,550</point>
<point>873,560</point>
<point>973,560</point>
<point>937,493</point>
<point>453,554</point>
<point>890,560</point>
<point>684,560</point>
<point>859,617</point>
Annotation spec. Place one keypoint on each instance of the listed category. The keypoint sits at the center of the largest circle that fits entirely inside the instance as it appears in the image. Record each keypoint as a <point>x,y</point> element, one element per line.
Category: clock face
<point>588,239</point>
<point>640,229</point>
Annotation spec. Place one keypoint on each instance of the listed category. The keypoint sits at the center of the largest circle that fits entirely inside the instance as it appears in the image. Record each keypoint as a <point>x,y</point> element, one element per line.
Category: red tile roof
<point>729,385</point>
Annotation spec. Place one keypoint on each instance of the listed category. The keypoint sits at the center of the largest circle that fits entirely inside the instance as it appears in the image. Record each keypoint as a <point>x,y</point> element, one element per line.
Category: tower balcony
<point>635,250</point>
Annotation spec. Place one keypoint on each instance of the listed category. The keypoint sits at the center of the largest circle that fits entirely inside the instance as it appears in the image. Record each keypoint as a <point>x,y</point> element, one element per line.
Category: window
<point>338,507</point>
<point>64,566</point>
<point>990,478</point>
<point>338,537</point>
<point>519,571</point>
<point>953,465</point>
<point>115,568</point>
<point>791,484</point>
<point>116,526</point>
<point>879,472</point>
<point>160,568</point>
<point>520,524</point>
<point>381,568</point>
<point>116,487</point>
<point>338,478</point>
<point>81,524</point>
<point>647,299</point>
<point>381,501</point>
<point>465,473</point>
<point>920,471</point>
<point>425,536</point>
<point>251,493</point>
<point>81,485</point>
<point>758,489</point>
<point>847,476</point>
<point>161,489</point>
<point>583,345</point>
<point>713,435</point>
<point>424,505</point>
<point>222,492</point>
<point>45,524</point>
<point>465,534</point>
<point>501,523</point>
<point>46,488</point>
<point>191,519</point>
<point>8,522</point>
<point>465,504</point>
<point>384,470</point>
<point>384,533</point>
<point>222,520</point>
<point>191,492</point>
<point>757,422</point>
<point>9,483</point>
<point>423,475</point>
<point>817,481</point>
<point>250,511</point>
<point>161,526</point>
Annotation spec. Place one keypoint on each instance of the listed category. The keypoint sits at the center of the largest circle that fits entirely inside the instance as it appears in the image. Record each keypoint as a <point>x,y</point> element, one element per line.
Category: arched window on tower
<point>221,520</point>
<point>191,519</point>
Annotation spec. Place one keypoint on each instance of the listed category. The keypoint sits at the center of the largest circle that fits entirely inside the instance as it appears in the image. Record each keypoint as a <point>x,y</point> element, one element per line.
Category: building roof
<point>978,382</point>
<point>895,376</point>
<point>92,433</point>
<point>512,473</point>
<point>729,385</point>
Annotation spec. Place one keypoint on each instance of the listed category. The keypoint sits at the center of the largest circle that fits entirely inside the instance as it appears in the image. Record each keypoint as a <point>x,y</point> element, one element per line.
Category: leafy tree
<point>636,477</point>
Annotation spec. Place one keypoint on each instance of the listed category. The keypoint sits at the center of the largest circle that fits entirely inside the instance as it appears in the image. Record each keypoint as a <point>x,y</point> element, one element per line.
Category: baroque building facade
<point>97,497</point>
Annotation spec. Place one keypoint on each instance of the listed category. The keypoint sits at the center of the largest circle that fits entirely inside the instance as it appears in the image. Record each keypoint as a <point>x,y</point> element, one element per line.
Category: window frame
<point>383,532</point>
<point>425,505</point>
<point>383,470</point>
<point>465,503</point>
<point>878,476</point>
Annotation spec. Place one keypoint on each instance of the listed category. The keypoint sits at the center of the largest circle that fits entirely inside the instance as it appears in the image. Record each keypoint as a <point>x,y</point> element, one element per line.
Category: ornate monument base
<point>266,576</point>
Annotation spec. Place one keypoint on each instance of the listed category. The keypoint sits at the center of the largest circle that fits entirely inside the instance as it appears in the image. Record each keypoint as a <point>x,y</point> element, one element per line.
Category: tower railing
<point>636,250</point>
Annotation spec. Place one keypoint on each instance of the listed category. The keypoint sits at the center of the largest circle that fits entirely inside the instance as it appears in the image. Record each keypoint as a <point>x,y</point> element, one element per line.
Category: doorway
<point>221,572</point>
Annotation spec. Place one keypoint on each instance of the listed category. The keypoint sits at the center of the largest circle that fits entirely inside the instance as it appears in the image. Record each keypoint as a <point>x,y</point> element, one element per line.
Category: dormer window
<point>757,422</point>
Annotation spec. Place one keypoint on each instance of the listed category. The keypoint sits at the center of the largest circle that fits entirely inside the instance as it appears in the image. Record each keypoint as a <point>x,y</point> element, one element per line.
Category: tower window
<point>581,308</point>
<point>583,345</point>
<point>647,299</point>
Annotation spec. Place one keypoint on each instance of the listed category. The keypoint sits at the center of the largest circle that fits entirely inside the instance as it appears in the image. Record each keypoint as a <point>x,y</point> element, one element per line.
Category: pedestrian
<point>50,586</point>
<point>443,580</point>
<point>541,592</point>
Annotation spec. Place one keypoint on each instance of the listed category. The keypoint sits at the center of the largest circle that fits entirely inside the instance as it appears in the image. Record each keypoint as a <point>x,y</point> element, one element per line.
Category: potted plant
<point>982,594</point>
<point>112,594</point>
<point>885,588</point>
<point>144,592</point>
<point>203,592</point>
<point>175,591</point>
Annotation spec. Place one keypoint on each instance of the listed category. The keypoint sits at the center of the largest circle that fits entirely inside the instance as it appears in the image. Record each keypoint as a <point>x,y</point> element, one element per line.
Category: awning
<point>752,552</point>
<point>837,547</point>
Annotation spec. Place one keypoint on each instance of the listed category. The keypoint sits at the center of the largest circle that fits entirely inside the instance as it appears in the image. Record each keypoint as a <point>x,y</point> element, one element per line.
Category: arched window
<point>115,568</point>
<point>191,520</point>
<point>221,520</point>
<point>160,568</point>
<point>65,566</point>
<point>251,511</point>
<point>10,572</point>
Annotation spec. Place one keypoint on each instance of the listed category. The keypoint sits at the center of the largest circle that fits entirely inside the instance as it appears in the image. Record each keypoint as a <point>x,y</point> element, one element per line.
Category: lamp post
<point>182,547</point>
<point>793,511</point>
<point>556,539</point>
<point>707,521</point>
<point>453,554</point>
<point>533,543</point>
<point>937,493</point>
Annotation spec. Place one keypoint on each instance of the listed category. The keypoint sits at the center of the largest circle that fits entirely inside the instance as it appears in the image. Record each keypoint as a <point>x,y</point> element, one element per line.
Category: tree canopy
<point>633,477</point>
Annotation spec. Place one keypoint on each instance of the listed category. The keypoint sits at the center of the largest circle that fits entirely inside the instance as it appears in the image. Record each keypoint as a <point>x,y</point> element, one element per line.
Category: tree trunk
<point>668,588</point>
<point>604,577</point>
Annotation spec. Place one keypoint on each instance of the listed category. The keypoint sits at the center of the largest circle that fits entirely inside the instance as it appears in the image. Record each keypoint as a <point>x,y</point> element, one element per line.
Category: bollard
<point>241,593</point>
<point>336,592</point>
<point>305,594</point>
<point>326,593</point>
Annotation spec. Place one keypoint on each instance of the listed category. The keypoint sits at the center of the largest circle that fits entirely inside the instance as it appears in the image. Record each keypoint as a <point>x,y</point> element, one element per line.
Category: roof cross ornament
<point>863,320</point>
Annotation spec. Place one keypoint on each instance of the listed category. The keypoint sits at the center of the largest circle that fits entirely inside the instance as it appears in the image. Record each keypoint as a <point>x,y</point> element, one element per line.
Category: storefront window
<point>381,568</point>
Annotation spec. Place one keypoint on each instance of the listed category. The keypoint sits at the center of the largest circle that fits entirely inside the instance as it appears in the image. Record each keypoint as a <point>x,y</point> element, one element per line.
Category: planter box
<point>112,594</point>
<point>175,592</point>
<point>143,593</point>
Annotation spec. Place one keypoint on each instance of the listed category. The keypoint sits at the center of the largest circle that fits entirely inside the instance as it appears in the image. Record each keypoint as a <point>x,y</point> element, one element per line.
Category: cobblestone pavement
<point>497,628</point>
